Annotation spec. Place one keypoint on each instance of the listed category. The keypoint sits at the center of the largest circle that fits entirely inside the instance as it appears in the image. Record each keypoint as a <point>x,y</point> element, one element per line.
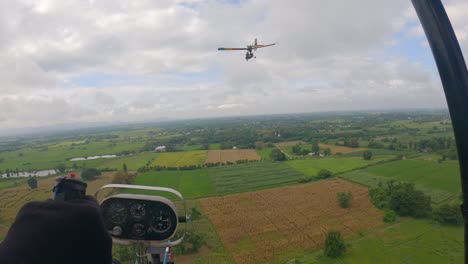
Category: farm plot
<point>231,155</point>
<point>265,153</point>
<point>179,159</point>
<point>311,167</point>
<point>409,241</point>
<point>288,143</point>
<point>440,181</point>
<point>194,183</point>
<point>252,176</point>
<point>268,226</point>
<point>223,179</point>
<point>340,149</point>
<point>133,162</point>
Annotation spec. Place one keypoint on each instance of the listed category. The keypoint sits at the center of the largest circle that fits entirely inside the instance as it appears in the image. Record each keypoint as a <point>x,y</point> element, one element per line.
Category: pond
<point>94,157</point>
<point>41,173</point>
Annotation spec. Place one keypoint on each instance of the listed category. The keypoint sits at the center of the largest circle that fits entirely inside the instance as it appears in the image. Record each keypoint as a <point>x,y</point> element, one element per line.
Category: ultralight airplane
<point>250,49</point>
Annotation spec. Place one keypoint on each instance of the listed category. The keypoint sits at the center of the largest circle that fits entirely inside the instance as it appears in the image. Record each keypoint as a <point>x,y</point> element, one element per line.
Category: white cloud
<point>95,61</point>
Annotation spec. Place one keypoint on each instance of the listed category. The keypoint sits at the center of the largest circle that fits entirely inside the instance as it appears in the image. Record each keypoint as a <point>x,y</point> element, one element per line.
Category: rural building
<point>160,149</point>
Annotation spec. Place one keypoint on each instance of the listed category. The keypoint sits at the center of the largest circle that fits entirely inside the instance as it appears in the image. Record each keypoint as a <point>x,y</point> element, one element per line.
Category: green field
<point>192,147</point>
<point>223,179</point>
<point>410,241</point>
<point>311,166</point>
<point>179,159</point>
<point>440,180</point>
<point>133,162</point>
<point>193,183</point>
<point>49,156</point>
<point>11,182</point>
<point>265,153</point>
<point>252,176</point>
<point>371,180</point>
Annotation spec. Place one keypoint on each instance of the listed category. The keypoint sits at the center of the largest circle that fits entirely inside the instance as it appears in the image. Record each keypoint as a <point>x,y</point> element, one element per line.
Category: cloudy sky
<point>129,61</point>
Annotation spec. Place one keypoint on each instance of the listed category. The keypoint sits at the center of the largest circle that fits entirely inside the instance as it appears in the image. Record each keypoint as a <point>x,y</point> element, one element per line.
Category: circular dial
<point>138,230</point>
<point>160,222</point>
<point>117,213</point>
<point>138,211</point>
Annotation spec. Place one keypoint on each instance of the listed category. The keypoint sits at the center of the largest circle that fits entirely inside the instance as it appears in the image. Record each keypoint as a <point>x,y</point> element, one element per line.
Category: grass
<point>252,176</point>
<point>409,241</point>
<point>192,147</point>
<point>133,162</point>
<point>179,159</point>
<point>39,159</point>
<point>215,146</point>
<point>371,180</point>
<point>265,153</point>
<point>311,166</point>
<point>442,176</point>
<point>11,182</point>
<point>223,179</point>
<point>193,183</point>
<point>439,180</point>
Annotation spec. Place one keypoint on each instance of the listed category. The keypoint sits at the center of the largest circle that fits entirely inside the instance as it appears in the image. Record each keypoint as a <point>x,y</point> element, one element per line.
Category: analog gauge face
<point>138,211</point>
<point>117,213</point>
<point>160,222</point>
<point>138,230</point>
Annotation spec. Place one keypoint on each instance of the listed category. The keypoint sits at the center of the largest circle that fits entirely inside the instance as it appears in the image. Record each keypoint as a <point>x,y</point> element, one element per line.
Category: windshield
<point>297,131</point>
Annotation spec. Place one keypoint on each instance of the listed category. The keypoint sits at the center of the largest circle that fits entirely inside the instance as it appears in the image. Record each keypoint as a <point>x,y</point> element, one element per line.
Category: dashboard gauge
<point>161,221</point>
<point>138,230</point>
<point>138,211</point>
<point>117,213</point>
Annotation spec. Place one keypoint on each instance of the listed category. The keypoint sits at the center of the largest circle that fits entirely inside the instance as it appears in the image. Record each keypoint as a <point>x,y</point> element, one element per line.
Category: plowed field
<point>231,155</point>
<point>263,226</point>
<point>340,149</point>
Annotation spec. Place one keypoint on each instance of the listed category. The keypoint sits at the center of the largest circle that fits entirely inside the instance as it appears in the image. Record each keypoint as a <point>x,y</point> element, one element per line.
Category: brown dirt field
<point>289,143</point>
<point>12,199</point>
<point>262,226</point>
<point>340,149</point>
<point>231,155</point>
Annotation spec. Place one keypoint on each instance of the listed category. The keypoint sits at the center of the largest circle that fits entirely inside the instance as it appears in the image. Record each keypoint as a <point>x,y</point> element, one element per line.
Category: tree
<point>296,149</point>
<point>402,198</point>
<point>344,199</point>
<point>121,177</point>
<point>315,147</point>
<point>323,174</point>
<point>32,182</point>
<point>354,143</point>
<point>334,245</point>
<point>448,214</point>
<point>75,166</point>
<point>191,244</point>
<point>390,216</point>
<point>367,155</point>
<point>196,214</point>
<point>90,174</point>
<point>206,146</point>
<point>61,168</point>
<point>327,152</point>
<point>124,167</point>
<point>277,155</point>
<point>259,145</point>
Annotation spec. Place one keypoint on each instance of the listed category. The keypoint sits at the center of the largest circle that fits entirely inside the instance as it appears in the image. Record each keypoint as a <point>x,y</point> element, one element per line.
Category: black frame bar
<point>454,76</point>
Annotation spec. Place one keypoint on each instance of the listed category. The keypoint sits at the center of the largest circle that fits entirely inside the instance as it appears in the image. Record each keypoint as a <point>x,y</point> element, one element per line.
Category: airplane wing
<point>264,46</point>
<point>232,48</point>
